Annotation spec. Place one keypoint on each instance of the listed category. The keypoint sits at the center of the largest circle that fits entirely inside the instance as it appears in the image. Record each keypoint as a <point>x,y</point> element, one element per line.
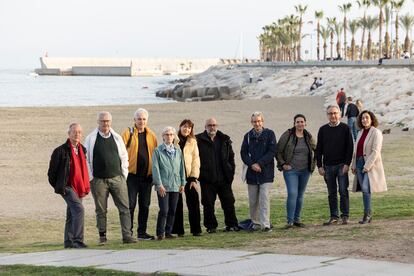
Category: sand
<point>29,135</point>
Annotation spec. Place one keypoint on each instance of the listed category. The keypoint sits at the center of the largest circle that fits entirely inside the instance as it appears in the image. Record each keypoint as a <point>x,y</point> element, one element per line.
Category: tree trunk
<point>397,46</point>
<point>345,37</point>
<point>353,48</point>
<point>318,47</point>
<point>369,46</point>
<point>387,45</point>
<point>338,49</point>
<point>324,49</point>
<point>299,46</point>
<point>381,18</point>
<point>407,44</point>
<point>332,43</point>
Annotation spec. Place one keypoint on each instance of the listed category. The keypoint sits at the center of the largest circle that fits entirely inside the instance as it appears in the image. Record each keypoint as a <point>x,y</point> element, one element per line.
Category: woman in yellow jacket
<point>188,145</point>
<point>367,161</point>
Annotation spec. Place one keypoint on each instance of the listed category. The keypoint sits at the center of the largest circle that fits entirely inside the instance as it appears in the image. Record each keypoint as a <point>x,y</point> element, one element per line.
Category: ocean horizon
<point>23,88</point>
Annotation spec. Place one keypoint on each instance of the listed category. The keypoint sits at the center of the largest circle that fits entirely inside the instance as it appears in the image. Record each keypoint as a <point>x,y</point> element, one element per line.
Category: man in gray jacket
<point>108,168</point>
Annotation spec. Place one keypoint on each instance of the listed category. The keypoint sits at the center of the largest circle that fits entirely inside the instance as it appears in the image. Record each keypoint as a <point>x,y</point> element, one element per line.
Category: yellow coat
<point>373,161</point>
<point>191,158</point>
<point>133,148</point>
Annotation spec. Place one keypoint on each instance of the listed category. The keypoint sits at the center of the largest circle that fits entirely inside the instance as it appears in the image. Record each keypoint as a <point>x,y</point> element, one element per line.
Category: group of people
<point>350,110</point>
<point>316,83</point>
<point>127,166</point>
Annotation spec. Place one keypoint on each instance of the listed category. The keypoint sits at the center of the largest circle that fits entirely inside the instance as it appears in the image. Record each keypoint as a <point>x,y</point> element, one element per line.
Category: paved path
<point>208,262</point>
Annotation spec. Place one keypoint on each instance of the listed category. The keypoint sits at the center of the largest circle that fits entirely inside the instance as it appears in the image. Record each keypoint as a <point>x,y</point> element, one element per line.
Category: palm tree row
<point>282,40</point>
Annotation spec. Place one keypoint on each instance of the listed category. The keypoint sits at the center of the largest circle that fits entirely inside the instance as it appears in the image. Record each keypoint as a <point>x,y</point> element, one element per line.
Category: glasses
<point>332,113</point>
<point>169,134</point>
<point>211,125</point>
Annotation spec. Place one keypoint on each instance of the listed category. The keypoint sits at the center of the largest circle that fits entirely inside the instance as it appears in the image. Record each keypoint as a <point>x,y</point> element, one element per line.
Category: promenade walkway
<point>208,262</point>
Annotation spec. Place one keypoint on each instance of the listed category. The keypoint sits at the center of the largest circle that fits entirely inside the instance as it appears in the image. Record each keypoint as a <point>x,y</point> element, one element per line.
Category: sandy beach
<point>29,136</point>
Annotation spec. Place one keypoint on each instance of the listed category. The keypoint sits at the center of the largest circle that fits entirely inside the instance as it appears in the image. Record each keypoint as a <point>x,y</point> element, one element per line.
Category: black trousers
<point>139,187</point>
<point>193,205</point>
<point>209,193</point>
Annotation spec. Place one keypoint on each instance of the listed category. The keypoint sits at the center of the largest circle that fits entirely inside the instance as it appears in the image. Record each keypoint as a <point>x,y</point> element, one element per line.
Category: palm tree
<point>371,23</point>
<point>407,22</point>
<point>387,13</point>
<point>397,6</point>
<point>325,33</point>
<point>331,23</point>
<point>365,4</point>
<point>380,4</point>
<point>353,28</point>
<point>345,8</point>
<point>301,10</point>
<point>318,17</point>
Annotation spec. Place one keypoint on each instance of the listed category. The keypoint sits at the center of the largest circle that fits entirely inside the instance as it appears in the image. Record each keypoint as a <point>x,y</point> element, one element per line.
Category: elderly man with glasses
<point>333,156</point>
<point>216,176</point>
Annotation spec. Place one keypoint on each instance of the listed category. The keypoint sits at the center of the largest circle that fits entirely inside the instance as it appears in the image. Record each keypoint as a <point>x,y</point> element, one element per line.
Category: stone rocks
<point>186,92</point>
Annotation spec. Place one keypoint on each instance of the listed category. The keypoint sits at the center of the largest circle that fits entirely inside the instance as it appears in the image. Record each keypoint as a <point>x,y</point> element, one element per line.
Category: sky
<point>146,28</point>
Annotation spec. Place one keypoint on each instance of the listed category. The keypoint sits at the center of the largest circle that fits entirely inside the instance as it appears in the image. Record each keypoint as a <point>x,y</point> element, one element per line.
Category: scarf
<point>78,173</point>
<point>170,150</point>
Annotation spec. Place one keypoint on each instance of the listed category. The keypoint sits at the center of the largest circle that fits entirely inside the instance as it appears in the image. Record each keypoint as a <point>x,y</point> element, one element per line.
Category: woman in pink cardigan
<point>367,161</point>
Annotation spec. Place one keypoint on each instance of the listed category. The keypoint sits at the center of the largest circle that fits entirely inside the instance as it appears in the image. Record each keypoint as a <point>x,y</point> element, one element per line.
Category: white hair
<point>332,106</point>
<point>102,113</point>
<point>257,114</point>
<point>168,128</point>
<point>140,111</point>
<point>72,125</point>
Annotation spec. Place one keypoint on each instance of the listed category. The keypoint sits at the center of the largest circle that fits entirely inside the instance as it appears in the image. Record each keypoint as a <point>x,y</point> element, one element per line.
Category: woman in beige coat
<point>367,161</point>
<point>188,145</point>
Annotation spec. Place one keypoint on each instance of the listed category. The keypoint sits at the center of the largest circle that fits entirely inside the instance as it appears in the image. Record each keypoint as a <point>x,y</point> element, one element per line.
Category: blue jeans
<point>165,220</point>
<point>363,181</point>
<point>334,178</point>
<point>353,127</point>
<point>296,182</point>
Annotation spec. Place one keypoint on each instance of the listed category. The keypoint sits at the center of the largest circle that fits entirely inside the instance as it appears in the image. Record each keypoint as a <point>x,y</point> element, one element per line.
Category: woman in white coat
<point>367,161</point>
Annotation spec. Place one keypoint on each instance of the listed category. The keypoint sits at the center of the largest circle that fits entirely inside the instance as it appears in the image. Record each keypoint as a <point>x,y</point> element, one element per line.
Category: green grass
<point>29,235</point>
<point>52,271</point>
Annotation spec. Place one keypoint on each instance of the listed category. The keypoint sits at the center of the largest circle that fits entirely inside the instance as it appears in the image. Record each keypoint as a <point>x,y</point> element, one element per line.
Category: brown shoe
<point>129,240</point>
<point>169,236</point>
<point>331,221</point>
<point>160,237</point>
<point>345,220</point>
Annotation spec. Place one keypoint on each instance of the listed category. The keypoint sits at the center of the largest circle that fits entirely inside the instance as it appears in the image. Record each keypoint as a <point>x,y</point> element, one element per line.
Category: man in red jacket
<point>341,101</point>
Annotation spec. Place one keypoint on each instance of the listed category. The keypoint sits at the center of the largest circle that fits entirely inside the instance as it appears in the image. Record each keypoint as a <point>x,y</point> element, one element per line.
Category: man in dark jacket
<point>333,156</point>
<point>68,175</point>
<point>216,176</point>
<point>258,152</point>
<point>352,113</point>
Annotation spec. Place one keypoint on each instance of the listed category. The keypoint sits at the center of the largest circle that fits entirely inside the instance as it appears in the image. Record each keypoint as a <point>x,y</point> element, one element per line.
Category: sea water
<point>23,88</point>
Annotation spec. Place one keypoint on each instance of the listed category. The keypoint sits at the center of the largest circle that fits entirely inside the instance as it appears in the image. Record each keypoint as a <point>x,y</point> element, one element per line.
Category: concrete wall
<point>101,71</point>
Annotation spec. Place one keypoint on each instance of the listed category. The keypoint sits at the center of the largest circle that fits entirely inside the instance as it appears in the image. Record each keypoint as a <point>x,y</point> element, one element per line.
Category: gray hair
<point>332,106</point>
<point>102,113</point>
<point>72,125</point>
<point>257,114</point>
<point>169,128</point>
<point>140,111</point>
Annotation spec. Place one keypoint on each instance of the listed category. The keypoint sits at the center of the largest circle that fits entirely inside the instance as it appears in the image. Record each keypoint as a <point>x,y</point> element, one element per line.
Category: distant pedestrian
<point>250,77</point>
<point>258,152</point>
<point>68,175</point>
<point>341,101</point>
<point>367,162</point>
<point>314,84</point>
<point>359,104</point>
<point>333,156</point>
<point>352,113</point>
<point>319,82</point>
<point>108,164</point>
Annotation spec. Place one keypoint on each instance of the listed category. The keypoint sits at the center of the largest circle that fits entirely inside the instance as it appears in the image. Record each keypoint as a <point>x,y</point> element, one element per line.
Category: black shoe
<point>288,225</point>
<point>211,230</point>
<point>232,229</point>
<point>145,237</point>
<point>197,234</point>
<point>345,220</point>
<point>68,245</point>
<point>102,240</point>
<point>366,219</point>
<point>331,221</point>
<point>79,245</point>
<point>267,230</point>
<point>180,235</point>
<point>169,236</point>
<point>129,240</point>
<point>298,224</point>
